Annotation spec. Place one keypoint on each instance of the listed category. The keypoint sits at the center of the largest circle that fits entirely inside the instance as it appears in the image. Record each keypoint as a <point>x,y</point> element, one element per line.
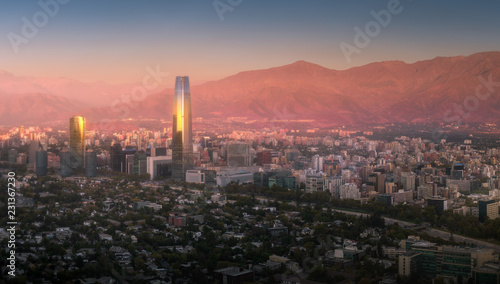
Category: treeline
<point>465,225</point>
<point>280,193</point>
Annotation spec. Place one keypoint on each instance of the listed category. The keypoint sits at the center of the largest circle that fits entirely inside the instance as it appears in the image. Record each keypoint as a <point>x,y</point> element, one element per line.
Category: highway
<point>432,232</point>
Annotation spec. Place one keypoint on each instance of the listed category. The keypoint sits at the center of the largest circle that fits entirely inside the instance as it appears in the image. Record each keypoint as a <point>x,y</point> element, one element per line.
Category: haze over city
<point>250,141</point>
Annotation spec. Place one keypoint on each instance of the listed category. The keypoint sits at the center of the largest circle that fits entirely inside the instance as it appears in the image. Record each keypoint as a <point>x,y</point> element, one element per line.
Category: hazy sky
<point>114,40</point>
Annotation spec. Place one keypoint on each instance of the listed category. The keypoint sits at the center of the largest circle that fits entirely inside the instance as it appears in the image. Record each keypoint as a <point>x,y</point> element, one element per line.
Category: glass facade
<point>41,163</point>
<point>90,164</point>
<point>66,170</point>
<point>77,141</point>
<point>182,142</point>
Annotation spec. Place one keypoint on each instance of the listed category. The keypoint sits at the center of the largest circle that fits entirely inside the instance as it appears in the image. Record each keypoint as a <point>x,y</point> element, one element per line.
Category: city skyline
<point>301,141</point>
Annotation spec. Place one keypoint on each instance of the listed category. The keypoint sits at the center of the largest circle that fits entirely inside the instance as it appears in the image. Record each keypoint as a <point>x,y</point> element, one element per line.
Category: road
<point>458,238</point>
<point>433,232</point>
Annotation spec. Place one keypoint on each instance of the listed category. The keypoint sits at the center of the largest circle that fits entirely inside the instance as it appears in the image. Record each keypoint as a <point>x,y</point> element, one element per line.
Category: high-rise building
<point>12,156</point>
<point>408,180</point>
<point>333,184</point>
<point>483,208</point>
<point>140,164</point>
<point>349,191</point>
<point>21,131</point>
<point>77,141</point>
<point>263,157</point>
<point>238,154</point>
<point>65,162</point>
<point>182,142</point>
<point>364,173</point>
<point>317,163</point>
<point>376,182</point>
<point>314,184</point>
<point>41,163</point>
<point>117,158</point>
<point>34,147</point>
<point>440,204</point>
<point>90,164</point>
<point>260,179</point>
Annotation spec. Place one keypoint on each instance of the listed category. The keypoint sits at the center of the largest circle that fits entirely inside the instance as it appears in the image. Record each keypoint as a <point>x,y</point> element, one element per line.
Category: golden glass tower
<point>77,141</point>
<point>182,141</point>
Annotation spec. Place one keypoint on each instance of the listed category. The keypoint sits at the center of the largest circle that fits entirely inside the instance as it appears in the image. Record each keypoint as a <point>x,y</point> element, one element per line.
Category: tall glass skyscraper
<point>41,163</point>
<point>77,142</point>
<point>182,141</point>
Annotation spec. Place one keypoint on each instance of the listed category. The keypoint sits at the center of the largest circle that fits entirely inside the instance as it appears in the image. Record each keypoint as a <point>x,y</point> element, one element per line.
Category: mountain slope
<point>35,108</point>
<point>380,92</point>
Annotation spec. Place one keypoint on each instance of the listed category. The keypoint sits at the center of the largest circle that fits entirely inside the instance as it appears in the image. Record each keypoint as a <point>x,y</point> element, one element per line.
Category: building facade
<point>182,142</point>
<point>77,141</point>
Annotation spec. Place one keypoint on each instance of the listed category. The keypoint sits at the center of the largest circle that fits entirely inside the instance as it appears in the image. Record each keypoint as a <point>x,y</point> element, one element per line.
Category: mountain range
<point>432,90</point>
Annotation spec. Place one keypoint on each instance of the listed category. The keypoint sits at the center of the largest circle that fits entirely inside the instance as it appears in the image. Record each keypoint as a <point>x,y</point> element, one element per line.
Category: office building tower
<point>182,142</point>
<point>317,163</point>
<point>283,179</point>
<point>349,191</point>
<point>291,154</point>
<point>376,182</point>
<point>440,204</point>
<point>77,142</point>
<point>140,163</point>
<point>117,159</point>
<point>263,157</point>
<point>21,132</point>
<point>333,183</point>
<point>260,179</point>
<point>90,164</point>
<point>408,180</point>
<point>314,184</point>
<point>206,142</point>
<point>34,147</point>
<point>483,208</point>
<point>65,164</point>
<point>238,154</point>
<point>12,156</point>
<point>364,173</point>
<point>41,163</point>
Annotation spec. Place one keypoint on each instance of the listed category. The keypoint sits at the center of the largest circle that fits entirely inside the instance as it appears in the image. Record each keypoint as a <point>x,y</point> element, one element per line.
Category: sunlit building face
<point>182,144</point>
<point>77,141</point>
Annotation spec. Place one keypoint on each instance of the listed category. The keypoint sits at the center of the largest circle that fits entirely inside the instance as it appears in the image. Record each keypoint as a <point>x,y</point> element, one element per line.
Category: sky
<point>116,40</point>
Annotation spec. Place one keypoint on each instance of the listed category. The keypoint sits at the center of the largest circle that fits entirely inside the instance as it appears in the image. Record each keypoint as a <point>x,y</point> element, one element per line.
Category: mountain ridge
<point>378,92</point>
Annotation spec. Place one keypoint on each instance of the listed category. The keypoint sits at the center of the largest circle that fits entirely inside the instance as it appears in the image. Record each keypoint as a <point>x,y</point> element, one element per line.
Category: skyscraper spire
<point>182,142</point>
